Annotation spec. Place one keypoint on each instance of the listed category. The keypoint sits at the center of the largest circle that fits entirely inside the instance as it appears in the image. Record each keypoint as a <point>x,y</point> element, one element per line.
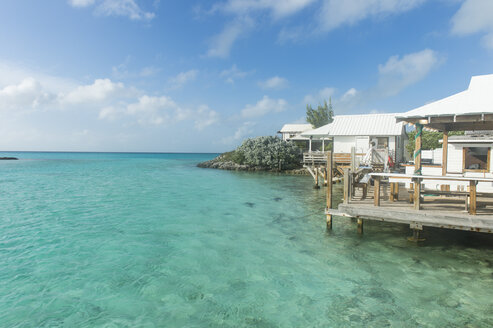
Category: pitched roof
<point>359,125</point>
<point>293,128</point>
<point>477,99</point>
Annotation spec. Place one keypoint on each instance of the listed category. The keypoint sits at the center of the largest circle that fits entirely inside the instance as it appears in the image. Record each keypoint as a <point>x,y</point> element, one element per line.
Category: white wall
<point>454,158</point>
<point>343,144</point>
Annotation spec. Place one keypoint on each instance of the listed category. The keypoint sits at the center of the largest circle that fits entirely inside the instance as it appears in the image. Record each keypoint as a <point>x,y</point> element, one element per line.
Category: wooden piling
<point>394,191</point>
<point>347,192</point>
<point>360,226</point>
<point>376,191</point>
<point>472,197</point>
<point>325,177</point>
<point>316,186</point>
<point>329,189</point>
<point>417,194</point>
<point>353,159</point>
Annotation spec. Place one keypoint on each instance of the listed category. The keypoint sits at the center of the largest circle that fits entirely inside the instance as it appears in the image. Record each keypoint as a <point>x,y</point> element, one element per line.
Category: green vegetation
<point>429,140</point>
<point>321,116</point>
<point>265,152</point>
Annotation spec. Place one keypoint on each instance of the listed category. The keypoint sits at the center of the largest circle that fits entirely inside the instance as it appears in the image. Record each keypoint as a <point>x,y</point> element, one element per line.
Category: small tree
<point>429,140</point>
<point>321,116</point>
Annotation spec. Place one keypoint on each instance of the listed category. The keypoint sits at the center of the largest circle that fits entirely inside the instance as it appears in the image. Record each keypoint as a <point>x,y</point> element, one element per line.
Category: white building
<point>292,131</point>
<point>464,156</point>
<point>361,131</point>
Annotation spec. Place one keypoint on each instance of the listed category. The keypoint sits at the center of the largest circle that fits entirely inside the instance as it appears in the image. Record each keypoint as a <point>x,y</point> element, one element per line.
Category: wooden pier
<point>387,199</point>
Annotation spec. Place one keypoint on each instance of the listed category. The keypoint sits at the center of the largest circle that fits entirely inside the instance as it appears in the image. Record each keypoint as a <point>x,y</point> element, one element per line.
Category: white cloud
<point>160,110</point>
<point>221,44</point>
<point>241,132</point>
<point>279,9</point>
<point>110,113</point>
<point>263,107</point>
<point>335,13</point>
<point>398,73</point>
<point>81,3</point>
<point>475,16</point>
<point>205,117</point>
<point>148,71</point>
<point>351,93</point>
<point>155,110</point>
<point>320,96</point>
<point>28,94</point>
<point>232,74</point>
<point>182,78</point>
<point>99,91</point>
<point>127,8</point>
<point>275,82</point>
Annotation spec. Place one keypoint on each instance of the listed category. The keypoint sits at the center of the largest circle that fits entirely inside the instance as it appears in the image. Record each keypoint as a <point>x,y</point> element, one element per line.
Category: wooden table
<point>418,179</point>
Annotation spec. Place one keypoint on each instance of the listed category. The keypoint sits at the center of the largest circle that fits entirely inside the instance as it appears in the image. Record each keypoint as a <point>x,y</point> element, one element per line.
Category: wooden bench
<point>417,180</point>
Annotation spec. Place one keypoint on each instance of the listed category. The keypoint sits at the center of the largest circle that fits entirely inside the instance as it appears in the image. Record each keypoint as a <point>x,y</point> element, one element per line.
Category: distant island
<point>260,154</point>
<point>8,158</point>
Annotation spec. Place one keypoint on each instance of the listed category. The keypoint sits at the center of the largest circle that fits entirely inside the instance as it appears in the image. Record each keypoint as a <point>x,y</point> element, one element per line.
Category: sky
<point>201,76</point>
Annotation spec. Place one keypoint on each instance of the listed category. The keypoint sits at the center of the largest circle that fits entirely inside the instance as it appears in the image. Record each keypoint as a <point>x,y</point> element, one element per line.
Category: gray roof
<point>360,125</point>
<point>295,128</point>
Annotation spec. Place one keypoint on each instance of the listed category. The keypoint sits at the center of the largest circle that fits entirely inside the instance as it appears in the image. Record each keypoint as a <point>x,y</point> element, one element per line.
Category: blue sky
<point>200,76</point>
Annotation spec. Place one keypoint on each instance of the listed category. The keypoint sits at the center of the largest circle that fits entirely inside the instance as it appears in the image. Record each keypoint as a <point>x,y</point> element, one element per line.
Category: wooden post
<point>376,191</point>
<point>353,159</point>
<point>444,152</point>
<point>316,186</point>
<point>396,190</point>
<point>329,188</point>
<point>417,194</point>
<point>411,195</point>
<point>325,177</point>
<point>472,197</point>
<point>392,192</point>
<point>347,192</point>
<point>417,149</point>
<point>360,226</point>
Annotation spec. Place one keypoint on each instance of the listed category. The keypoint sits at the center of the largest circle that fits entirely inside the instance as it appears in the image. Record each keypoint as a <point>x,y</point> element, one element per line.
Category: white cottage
<point>361,131</point>
<point>461,156</point>
<point>293,131</point>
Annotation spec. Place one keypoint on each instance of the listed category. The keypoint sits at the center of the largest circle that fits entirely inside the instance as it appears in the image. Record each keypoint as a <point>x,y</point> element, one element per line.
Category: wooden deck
<point>435,211</point>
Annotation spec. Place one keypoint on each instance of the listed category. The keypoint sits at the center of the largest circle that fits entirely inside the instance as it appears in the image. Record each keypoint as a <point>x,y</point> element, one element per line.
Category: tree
<point>429,140</point>
<point>321,116</point>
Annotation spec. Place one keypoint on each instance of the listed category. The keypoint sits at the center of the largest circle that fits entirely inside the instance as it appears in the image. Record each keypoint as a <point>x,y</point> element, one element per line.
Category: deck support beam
<point>316,186</point>
<point>347,192</point>
<point>444,152</point>
<point>329,189</point>
<point>472,197</point>
<point>417,194</point>
<point>394,191</point>
<point>376,191</point>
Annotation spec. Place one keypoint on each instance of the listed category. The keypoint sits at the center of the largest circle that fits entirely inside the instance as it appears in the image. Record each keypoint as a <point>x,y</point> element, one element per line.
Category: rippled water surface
<point>149,240</point>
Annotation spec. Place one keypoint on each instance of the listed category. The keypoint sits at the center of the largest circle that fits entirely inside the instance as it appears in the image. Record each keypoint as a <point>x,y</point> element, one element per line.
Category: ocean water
<point>150,240</point>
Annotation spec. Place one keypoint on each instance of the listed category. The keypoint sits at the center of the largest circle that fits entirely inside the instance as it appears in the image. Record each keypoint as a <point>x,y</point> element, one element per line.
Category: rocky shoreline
<point>219,164</point>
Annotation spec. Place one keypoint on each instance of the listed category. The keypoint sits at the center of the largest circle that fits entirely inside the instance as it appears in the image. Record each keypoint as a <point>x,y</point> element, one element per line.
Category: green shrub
<point>268,152</point>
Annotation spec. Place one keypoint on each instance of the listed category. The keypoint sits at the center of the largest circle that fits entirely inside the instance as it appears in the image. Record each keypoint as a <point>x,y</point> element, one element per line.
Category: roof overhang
<point>452,122</point>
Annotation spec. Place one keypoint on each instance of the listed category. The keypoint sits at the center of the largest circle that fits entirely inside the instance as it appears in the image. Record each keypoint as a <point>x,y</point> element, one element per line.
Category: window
<point>476,158</point>
<point>382,143</point>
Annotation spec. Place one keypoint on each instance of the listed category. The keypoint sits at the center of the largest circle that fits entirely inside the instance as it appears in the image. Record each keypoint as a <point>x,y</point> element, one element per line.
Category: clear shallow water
<point>149,240</point>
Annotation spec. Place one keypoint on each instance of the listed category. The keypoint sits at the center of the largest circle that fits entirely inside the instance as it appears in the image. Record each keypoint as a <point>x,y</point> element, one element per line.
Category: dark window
<point>476,158</point>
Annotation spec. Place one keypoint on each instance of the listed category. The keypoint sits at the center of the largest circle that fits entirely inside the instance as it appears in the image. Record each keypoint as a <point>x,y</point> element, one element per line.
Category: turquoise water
<point>149,240</point>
